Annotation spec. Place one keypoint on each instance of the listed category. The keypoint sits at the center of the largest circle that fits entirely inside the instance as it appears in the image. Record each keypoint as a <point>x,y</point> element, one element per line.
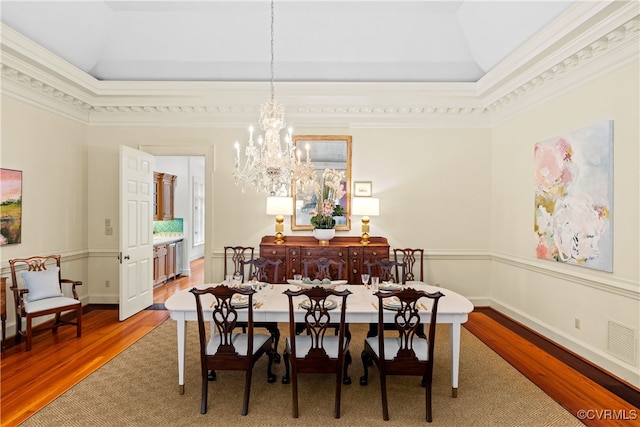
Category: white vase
<point>324,235</point>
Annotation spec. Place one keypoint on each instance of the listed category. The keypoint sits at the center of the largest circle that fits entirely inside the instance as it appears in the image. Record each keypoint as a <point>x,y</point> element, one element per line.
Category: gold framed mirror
<point>326,152</point>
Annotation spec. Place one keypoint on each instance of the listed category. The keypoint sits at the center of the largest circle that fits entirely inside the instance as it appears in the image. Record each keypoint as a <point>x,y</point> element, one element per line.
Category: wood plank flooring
<point>31,380</point>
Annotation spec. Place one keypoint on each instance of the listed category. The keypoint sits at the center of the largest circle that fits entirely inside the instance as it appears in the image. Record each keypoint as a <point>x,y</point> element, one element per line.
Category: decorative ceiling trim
<point>411,104</point>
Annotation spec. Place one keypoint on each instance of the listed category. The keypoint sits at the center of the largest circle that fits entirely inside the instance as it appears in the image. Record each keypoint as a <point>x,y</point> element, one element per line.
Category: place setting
<point>307,283</point>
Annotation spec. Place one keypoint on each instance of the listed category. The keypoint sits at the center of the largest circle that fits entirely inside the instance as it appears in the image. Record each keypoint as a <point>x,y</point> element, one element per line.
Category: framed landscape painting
<point>10,206</point>
<point>574,197</point>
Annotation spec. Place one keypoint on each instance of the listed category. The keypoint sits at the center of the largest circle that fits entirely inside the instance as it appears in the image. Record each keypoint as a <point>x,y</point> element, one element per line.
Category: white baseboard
<point>604,361</point>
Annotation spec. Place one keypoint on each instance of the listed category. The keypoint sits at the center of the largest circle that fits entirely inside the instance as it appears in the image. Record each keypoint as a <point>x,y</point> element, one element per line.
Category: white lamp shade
<point>369,206</point>
<point>279,205</point>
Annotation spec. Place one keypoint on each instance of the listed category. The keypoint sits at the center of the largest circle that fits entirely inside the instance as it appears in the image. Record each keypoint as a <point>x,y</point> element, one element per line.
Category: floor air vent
<point>622,342</point>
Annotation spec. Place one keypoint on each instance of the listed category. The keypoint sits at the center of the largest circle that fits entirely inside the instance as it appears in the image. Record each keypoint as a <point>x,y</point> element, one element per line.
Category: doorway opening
<point>180,238</point>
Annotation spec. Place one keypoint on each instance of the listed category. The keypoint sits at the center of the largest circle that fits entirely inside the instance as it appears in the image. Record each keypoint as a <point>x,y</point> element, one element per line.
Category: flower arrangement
<point>331,191</point>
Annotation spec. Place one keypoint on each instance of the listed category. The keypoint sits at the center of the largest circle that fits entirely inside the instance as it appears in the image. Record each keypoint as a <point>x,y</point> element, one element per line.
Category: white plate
<point>329,305</point>
<point>240,301</point>
<point>331,285</point>
<point>392,303</point>
<point>252,285</point>
<point>390,286</point>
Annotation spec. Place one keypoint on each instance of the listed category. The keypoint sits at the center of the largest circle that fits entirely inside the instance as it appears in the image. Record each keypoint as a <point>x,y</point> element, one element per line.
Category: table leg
<point>455,357</point>
<point>181,330</point>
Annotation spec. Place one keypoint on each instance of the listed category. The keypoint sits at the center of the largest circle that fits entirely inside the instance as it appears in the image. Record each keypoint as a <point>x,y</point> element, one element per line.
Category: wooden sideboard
<point>347,249</point>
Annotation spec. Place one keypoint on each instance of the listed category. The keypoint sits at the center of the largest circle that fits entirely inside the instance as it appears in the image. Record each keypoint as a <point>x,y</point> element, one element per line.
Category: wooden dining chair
<point>38,291</point>
<point>226,350</point>
<point>263,270</point>
<point>413,259</point>
<point>233,258</point>
<point>387,270</point>
<point>323,268</point>
<point>317,351</point>
<point>407,353</point>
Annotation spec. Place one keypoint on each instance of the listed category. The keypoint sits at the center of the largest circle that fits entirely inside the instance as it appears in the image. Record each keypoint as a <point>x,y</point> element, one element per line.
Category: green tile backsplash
<point>171,226</point>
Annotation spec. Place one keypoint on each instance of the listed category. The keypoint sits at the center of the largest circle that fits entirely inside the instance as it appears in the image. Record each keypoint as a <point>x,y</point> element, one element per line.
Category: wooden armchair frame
<point>49,306</point>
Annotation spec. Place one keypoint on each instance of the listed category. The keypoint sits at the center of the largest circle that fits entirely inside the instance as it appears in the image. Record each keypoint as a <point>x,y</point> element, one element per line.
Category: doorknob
<point>120,257</point>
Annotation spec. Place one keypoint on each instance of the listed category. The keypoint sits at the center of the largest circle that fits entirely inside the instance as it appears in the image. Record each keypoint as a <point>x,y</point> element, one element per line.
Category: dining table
<point>271,305</point>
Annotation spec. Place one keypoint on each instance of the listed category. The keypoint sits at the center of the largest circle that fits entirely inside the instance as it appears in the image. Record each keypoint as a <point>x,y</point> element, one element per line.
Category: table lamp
<point>279,206</point>
<point>365,206</point>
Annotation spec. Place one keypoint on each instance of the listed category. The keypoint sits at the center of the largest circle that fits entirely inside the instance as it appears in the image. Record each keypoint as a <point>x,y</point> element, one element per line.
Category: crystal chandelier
<point>269,166</point>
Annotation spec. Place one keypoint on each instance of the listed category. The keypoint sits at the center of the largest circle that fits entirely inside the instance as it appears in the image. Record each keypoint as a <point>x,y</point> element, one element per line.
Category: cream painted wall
<point>51,153</point>
<point>549,296</point>
<point>429,181</point>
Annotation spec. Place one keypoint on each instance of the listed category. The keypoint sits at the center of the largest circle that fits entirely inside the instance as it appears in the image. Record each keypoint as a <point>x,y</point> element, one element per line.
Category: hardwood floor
<point>31,380</point>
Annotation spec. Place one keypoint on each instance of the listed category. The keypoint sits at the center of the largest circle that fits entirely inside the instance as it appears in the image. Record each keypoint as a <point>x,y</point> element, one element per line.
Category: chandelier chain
<point>271,166</point>
<point>272,51</point>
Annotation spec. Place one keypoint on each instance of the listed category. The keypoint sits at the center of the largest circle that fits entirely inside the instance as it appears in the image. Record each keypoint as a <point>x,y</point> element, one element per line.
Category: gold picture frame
<point>325,152</point>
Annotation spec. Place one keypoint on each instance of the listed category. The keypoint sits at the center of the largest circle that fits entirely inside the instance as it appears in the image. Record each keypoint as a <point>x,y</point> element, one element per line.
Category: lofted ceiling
<point>314,41</point>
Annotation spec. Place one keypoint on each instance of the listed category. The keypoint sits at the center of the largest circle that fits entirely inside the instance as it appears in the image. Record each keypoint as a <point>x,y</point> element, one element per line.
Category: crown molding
<point>590,39</point>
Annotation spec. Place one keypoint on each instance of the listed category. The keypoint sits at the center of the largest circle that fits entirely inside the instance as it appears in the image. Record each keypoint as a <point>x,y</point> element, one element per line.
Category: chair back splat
<point>323,268</point>
<point>233,258</point>
<point>39,291</point>
<point>387,270</point>
<point>413,259</point>
<point>408,353</point>
<point>226,350</point>
<point>261,269</point>
<point>317,351</point>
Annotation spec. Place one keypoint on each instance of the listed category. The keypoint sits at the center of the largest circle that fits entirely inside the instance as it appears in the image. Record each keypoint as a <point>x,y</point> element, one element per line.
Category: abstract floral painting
<point>574,197</point>
<point>10,206</point>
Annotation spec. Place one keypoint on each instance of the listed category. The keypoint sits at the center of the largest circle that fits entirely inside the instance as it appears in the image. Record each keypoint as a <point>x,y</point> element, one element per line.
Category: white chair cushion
<point>48,303</point>
<point>392,345</point>
<point>239,341</point>
<point>42,284</point>
<point>303,345</point>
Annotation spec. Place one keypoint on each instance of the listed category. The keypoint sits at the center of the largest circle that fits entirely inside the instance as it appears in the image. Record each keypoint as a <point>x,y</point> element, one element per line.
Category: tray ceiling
<point>315,41</point>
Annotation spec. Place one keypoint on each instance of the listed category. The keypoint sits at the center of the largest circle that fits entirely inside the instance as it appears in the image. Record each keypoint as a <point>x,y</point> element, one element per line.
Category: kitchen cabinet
<point>171,261</point>
<point>347,249</point>
<point>159,264</point>
<point>165,261</point>
<point>163,196</point>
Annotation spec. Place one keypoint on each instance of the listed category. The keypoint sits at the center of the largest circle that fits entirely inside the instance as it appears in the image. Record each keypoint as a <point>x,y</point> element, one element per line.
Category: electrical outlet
<point>577,323</point>
<point>107,222</point>
<point>107,283</point>
<point>108,231</point>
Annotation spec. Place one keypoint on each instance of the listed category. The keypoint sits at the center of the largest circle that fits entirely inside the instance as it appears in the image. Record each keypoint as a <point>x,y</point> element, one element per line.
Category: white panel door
<point>136,231</point>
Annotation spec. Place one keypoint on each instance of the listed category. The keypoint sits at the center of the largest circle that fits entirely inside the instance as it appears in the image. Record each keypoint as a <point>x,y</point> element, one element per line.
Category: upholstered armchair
<point>38,291</point>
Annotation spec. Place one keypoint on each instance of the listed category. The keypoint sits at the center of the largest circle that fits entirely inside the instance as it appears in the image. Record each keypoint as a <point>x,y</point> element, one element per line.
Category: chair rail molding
<point>612,285</point>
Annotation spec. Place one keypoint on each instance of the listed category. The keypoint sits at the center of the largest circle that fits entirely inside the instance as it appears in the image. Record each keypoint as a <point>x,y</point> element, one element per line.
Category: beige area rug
<point>139,388</point>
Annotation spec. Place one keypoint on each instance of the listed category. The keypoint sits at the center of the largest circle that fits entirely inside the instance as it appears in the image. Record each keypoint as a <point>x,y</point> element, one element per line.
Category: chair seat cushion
<point>49,303</point>
<point>240,342</point>
<point>303,345</point>
<point>392,345</point>
<point>42,284</point>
